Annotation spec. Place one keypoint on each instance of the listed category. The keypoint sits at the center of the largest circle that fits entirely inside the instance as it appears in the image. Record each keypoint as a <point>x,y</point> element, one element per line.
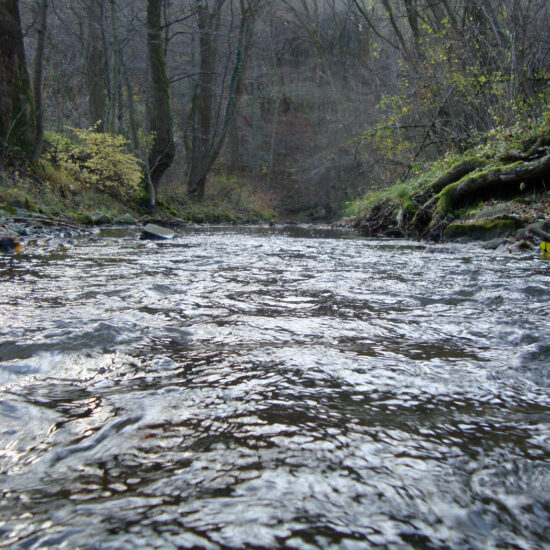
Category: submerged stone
<point>152,231</point>
<point>493,244</point>
<point>481,231</point>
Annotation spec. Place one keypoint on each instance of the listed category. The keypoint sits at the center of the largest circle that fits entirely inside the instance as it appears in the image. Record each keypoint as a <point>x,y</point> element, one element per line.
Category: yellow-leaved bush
<point>97,159</point>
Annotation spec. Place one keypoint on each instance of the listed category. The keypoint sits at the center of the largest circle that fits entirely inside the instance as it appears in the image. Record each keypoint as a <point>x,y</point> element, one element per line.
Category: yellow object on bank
<point>545,247</point>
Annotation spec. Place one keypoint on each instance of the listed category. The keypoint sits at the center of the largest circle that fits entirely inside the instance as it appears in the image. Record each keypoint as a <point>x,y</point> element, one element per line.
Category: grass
<point>398,197</point>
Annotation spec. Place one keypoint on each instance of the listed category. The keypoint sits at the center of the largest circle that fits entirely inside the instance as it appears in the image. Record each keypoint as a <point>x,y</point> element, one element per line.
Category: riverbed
<point>273,387</point>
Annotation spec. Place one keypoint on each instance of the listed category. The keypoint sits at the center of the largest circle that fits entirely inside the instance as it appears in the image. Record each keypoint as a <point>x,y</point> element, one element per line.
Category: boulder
<point>156,232</point>
<point>99,218</point>
<point>481,231</point>
<point>493,244</point>
<point>9,244</point>
<point>491,211</point>
<point>125,219</point>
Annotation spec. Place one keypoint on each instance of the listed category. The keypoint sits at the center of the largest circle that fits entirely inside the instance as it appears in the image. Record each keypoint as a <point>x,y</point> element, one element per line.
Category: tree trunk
<point>202,131</point>
<point>17,122</point>
<point>95,65</point>
<point>37,79</point>
<point>207,134</point>
<point>115,105</point>
<point>412,18</point>
<point>456,173</point>
<point>131,110</point>
<point>163,149</point>
<point>273,138</point>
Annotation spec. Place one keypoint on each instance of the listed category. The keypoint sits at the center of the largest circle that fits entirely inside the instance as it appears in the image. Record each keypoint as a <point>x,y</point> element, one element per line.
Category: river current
<point>274,387</point>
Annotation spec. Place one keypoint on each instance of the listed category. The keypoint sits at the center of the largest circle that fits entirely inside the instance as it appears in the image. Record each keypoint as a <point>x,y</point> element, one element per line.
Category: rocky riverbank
<point>496,193</point>
<point>27,231</point>
<point>495,223</point>
<point>33,231</point>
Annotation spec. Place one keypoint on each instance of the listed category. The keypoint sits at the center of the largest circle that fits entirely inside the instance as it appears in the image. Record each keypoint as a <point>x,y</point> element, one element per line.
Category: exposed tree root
<point>490,183</point>
<point>456,173</point>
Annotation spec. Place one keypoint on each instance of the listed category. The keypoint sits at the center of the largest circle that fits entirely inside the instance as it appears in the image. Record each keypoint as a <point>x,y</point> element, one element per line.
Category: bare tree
<point>160,112</point>
<point>212,108</point>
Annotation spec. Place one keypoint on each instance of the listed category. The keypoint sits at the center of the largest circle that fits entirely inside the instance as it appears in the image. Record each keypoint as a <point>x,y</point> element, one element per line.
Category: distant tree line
<point>313,100</point>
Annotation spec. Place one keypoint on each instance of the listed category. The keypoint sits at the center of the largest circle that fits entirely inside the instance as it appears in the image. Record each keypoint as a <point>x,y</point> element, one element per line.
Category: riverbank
<point>47,192</point>
<point>497,192</point>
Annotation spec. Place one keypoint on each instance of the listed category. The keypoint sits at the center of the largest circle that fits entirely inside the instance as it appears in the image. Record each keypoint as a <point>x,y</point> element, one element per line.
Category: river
<point>274,387</point>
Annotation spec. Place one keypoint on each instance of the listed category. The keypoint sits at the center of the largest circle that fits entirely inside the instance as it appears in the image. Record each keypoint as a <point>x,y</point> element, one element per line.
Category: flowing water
<point>274,387</point>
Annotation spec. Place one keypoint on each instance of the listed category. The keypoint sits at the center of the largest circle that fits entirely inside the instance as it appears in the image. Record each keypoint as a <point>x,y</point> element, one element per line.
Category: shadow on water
<point>269,387</point>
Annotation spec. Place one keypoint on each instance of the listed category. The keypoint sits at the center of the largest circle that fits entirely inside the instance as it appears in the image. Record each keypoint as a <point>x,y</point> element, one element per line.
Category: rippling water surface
<point>274,388</point>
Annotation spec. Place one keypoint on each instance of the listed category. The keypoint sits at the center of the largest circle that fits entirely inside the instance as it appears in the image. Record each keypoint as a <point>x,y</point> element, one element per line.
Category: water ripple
<point>271,387</point>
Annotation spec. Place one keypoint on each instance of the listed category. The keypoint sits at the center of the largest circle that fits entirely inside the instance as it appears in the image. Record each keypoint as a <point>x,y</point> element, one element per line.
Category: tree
<point>163,147</point>
<point>95,63</point>
<point>17,123</point>
<point>212,107</point>
<point>464,68</point>
<point>38,70</point>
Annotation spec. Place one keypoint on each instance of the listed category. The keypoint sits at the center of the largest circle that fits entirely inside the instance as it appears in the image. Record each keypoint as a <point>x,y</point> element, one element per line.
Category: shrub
<point>98,160</point>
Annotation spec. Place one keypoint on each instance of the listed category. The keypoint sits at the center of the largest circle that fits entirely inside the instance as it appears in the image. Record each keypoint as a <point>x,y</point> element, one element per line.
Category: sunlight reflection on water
<point>274,387</point>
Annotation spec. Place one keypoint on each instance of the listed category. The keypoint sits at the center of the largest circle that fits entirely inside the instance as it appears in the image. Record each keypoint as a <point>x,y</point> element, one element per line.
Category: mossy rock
<point>83,218</point>
<point>125,219</point>
<point>100,218</point>
<point>489,212</point>
<point>481,231</point>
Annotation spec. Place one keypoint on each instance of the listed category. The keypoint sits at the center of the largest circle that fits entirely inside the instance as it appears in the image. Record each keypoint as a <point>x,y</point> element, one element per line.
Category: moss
<point>482,231</point>
<point>445,201</point>
<point>83,218</point>
<point>453,173</point>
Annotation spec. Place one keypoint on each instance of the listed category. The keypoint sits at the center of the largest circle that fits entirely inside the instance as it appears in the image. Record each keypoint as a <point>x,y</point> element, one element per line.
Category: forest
<point>296,107</point>
<point>274,274</point>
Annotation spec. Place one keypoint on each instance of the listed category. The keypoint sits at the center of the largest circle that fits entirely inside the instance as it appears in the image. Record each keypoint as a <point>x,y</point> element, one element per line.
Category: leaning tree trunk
<point>163,149</point>
<point>17,124</point>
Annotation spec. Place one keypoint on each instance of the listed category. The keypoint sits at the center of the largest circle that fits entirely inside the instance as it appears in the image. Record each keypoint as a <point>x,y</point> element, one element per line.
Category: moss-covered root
<point>454,174</point>
<point>489,183</point>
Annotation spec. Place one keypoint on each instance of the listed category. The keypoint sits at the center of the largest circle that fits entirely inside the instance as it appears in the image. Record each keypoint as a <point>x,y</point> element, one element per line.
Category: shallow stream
<point>274,387</point>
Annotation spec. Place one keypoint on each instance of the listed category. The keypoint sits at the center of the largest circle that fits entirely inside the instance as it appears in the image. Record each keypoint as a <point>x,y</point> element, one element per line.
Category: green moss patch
<point>482,231</point>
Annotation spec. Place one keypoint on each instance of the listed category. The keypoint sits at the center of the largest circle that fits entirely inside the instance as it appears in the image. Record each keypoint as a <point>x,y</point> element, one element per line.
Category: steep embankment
<point>499,189</point>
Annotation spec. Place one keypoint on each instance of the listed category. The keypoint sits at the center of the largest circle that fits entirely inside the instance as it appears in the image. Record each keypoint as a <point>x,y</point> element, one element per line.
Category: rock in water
<point>152,231</point>
<point>10,245</point>
<point>99,218</point>
<point>125,219</point>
